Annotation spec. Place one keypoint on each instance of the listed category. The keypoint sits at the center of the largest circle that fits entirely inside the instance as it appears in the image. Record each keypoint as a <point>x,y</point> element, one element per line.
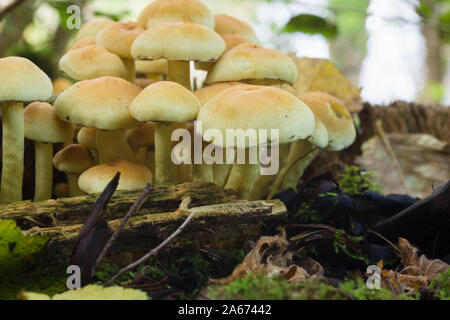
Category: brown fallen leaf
<point>321,75</point>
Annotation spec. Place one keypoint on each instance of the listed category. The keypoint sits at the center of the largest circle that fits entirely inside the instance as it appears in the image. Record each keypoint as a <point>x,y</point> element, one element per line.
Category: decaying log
<point>219,225</point>
<point>72,211</point>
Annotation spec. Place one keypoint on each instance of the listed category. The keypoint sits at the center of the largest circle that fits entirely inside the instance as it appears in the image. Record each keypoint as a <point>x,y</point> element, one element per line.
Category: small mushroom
<point>92,27</point>
<point>21,81</point>
<point>73,160</point>
<point>142,142</point>
<point>87,137</point>
<point>43,126</point>
<point>228,25</point>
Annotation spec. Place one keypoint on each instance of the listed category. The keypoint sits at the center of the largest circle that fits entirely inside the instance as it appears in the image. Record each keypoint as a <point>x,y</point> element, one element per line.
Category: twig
<point>390,151</point>
<point>13,5</point>
<point>183,206</point>
<point>135,207</point>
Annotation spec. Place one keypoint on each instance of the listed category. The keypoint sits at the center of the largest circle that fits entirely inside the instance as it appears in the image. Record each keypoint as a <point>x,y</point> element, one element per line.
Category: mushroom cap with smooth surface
<point>249,61</point>
<point>118,37</point>
<point>143,136</point>
<point>91,62</point>
<point>227,25</point>
<point>82,43</point>
<point>161,11</point>
<point>61,84</point>
<point>87,137</point>
<point>102,103</point>
<point>144,82</point>
<point>21,80</point>
<point>319,137</point>
<point>74,158</point>
<point>91,28</point>
<point>257,107</point>
<point>42,124</point>
<point>181,41</point>
<point>165,101</point>
<point>133,177</point>
<point>335,117</point>
<point>206,93</point>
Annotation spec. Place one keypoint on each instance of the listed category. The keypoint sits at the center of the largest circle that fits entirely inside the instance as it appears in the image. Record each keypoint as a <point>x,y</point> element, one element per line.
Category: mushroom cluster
<point>130,92</point>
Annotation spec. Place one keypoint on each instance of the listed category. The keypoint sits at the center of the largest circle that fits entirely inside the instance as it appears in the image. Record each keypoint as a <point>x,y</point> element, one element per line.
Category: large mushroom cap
<point>249,61</point>
<point>338,121</point>
<point>151,66</point>
<point>102,103</point>
<point>227,25</point>
<point>43,125</point>
<point>176,10</point>
<point>118,37</point>
<point>22,80</point>
<point>257,107</point>
<point>165,101</point>
<point>133,177</point>
<point>90,62</point>
<point>178,41</point>
<point>206,93</point>
<point>91,28</point>
<point>74,158</point>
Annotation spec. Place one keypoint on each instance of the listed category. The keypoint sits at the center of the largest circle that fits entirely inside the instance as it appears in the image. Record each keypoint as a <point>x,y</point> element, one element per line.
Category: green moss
<point>340,246</point>
<point>442,285</point>
<point>307,215</point>
<point>359,290</point>
<point>354,181</point>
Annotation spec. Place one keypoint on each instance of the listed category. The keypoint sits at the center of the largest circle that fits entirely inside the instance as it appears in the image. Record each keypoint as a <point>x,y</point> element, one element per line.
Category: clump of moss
<point>340,241</point>
<point>354,181</point>
<point>441,284</point>
<point>359,291</point>
<point>307,215</point>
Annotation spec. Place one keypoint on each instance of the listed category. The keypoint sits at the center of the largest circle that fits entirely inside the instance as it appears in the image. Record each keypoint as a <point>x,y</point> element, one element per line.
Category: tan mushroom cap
<point>226,25</point>
<point>87,137</point>
<point>319,137</point>
<point>118,37</point>
<point>82,43</point>
<point>74,158</point>
<point>21,80</point>
<point>91,62</point>
<point>42,124</point>
<point>206,93</point>
<point>144,82</point>
<point>165,101</point>
<point>181,41</point>
<point>176,10</point>
<point>249,61</point>
<point>91,28</point>
<point>141,136</point>
<point>133,177</point>
<point>151,66</point>
<point>257,107</point>
<point>61,84</point>
<point>337,120</point>
<point>102,103</point>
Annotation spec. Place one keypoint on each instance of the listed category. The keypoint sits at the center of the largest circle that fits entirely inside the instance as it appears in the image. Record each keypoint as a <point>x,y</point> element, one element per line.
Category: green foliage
<point>306,215</point>
<point>353,181</point>
<point>442,284</point>
<point>340,246</point>
<point>311,24</point>
<point>360,291</point>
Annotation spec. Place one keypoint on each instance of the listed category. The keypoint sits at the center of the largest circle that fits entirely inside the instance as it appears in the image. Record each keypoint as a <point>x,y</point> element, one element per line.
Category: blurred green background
<point>393,49</point>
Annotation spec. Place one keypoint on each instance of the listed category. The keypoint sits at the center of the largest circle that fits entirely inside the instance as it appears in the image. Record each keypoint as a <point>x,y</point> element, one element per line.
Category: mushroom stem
<point>179,71</point>
<point>150,160</point>
<point>74,189</point>
<point>299,149</point>
<point>165,171</point>
<point>130,69</point>
<point>242,177</point>
<point>110,145</point>
<point>13,149</point>
<point>264,182</point>
<point>44,171</point>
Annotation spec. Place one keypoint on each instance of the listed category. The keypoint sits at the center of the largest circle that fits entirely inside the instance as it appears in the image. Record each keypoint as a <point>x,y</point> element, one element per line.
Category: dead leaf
<point>322,75</point>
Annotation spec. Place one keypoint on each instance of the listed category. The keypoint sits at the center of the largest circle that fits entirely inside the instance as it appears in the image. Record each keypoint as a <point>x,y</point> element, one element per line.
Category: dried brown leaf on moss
<point>321,75</point>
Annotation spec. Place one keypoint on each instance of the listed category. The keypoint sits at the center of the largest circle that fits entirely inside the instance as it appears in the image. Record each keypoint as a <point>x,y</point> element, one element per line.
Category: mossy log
<point>225,226</point>
<point>71,211</point>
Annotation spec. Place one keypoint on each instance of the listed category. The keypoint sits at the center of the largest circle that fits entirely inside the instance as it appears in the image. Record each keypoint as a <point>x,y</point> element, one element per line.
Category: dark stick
<point>135,207</point>
<point>158,248</point>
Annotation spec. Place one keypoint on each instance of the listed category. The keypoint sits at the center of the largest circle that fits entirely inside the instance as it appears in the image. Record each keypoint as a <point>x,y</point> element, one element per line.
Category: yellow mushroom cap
<point>61,84</point>
<point>91,28</point>
<point>319,137</point>
<point>102,103</point>
<point>82,43</point>
<point>22,81</point>
<point>249,61</point>
<point>42,124</point>
<point>91,62</point>
<point>118,37</point>
<point>133,177</point>
<point>151,66</point>
<point>161,11</point>
<point>338,121</point>
<point>88,137</point>
<point>257,107</point>
<point>227,25</point>
<point>206,93</point>
<point>144,82</point>
<point>141,136</point>
<point>178,41</point>
<point>74,158</point>
<point>165,101</point>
